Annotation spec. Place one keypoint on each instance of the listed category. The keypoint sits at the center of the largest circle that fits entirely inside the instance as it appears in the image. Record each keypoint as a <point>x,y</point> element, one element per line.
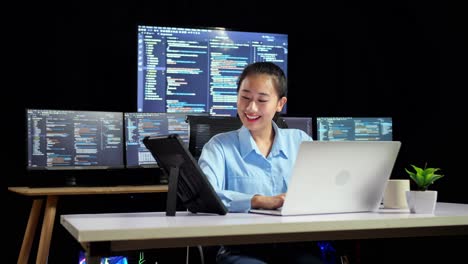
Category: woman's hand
<point>267,202</point>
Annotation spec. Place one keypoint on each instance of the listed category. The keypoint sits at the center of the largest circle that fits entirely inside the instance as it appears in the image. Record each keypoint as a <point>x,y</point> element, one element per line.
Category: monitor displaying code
<point>140,125</point>
<point>67,139</point>
<point>196,69</point>
<point>354,128</point>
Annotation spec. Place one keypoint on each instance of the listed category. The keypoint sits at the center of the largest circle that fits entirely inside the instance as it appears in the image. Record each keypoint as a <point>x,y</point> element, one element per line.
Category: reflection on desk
<point>132,231</point>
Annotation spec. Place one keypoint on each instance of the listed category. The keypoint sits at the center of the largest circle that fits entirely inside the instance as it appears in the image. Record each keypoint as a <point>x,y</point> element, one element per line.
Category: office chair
<point>203,128</point>
<point>280,121</point>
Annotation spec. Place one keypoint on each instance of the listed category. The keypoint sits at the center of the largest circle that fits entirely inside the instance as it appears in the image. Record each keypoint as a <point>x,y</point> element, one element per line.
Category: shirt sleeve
<point>213,163</point>
<point>305,137</point>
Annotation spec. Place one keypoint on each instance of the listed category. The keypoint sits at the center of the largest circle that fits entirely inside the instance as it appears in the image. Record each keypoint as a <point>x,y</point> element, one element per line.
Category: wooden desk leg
<point>47,228</point>
<point>30,231</point>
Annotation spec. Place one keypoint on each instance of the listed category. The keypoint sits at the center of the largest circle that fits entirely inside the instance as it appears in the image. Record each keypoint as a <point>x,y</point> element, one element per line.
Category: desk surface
<point>239,228</point>
<point>88,190</point>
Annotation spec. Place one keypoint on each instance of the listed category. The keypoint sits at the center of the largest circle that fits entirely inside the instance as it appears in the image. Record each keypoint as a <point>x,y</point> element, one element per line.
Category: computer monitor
<point>186,179</point>
<point>302,123</point>
<point>354,128</point>
<point>68,139</point>
<point>196,69</point>
<point>140,125</point>
<point>61,143</point>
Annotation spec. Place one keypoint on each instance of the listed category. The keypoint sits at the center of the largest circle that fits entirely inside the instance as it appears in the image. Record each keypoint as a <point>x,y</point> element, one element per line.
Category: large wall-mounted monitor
<point>302,123</point>
<point>140,125</point>
<point>354,128</point>
<point>74,140</point>
<point>196,69</point>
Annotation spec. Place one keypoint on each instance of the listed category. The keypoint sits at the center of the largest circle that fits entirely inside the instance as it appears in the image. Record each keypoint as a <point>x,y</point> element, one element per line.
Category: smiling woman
<point>250,167</point>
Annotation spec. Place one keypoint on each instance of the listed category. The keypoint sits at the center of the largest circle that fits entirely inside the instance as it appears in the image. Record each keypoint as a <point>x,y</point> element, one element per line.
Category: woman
<point>251,167</point>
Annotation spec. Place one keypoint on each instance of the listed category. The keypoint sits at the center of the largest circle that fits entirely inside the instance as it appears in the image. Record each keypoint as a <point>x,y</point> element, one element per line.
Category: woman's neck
<point>264,140</point>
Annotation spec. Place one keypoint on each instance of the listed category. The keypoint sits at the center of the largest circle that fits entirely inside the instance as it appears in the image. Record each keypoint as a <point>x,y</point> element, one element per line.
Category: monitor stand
<point>171,201</point>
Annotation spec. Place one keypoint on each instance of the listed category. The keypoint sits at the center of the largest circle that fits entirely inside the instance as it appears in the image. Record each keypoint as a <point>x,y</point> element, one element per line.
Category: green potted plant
<point>422,200</point>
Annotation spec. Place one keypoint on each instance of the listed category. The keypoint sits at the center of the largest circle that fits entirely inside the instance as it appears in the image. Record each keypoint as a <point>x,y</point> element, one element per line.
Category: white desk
<point>102,234</point>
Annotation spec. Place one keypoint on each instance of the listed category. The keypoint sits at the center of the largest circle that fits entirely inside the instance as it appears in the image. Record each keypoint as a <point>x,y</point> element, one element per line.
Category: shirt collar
<point>247,143</point>
<point>279,147</point>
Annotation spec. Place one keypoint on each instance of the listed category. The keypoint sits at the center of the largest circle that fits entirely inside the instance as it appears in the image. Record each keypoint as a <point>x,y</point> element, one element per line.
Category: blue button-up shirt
<point>237,170</point>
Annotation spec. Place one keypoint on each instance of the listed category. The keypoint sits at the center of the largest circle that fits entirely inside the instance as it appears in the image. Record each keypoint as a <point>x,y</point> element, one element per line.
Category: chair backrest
<point>280,122</point>
<point>203,128</point>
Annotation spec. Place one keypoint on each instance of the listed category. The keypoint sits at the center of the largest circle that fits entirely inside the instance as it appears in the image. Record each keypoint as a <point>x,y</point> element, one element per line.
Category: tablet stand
<point>171,201</point>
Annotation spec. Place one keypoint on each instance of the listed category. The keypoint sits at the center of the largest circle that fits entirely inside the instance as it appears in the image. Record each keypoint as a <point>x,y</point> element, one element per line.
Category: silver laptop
<point>338,177</point>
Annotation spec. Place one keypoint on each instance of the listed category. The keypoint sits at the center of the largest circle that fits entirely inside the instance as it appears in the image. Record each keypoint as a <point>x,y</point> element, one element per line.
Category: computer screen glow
<point>196,69</point>
<point>140,125</point>
<point>354,128</point>
<point>68,139</point>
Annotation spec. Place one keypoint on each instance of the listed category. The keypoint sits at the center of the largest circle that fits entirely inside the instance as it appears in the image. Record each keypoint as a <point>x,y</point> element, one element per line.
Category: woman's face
<point>257,102</point>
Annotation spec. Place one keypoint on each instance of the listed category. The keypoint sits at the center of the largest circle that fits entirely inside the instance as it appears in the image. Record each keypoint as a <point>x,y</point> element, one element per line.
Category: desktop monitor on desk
<point>354,128</point>
<point>63,143</point>
<point>140,125</point>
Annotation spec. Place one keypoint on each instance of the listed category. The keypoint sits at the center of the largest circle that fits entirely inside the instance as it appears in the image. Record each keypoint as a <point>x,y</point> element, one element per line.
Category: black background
<point>403,59</point>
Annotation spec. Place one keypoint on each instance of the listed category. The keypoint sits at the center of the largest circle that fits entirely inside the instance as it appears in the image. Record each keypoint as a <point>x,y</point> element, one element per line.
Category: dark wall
<point>402,59</point>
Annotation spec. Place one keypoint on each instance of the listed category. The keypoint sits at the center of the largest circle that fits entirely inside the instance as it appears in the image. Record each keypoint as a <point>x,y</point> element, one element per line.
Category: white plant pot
<point>421,202</point>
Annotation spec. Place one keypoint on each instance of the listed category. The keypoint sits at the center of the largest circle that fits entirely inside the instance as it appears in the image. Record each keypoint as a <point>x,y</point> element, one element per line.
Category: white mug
<point>395,194</point>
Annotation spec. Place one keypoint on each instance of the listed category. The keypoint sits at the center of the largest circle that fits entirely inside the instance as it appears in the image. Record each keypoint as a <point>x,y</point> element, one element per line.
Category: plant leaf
<point>417,169</point>
<point>424,177</point>
<point>436,177</point>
